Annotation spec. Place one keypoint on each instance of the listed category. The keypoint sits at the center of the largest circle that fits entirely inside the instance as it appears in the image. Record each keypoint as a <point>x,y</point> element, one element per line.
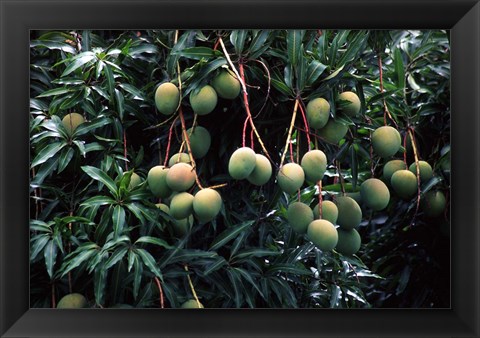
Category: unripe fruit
<point>350,108</point>
<point>291,177</point>
<point>157,181</point>
<point>72,121</point>
<point>226,85</point>
<point>167,98</point>
<point>375,194</point>
<point>242,163</point>
<point>323,234</point>
<point>329,212</point>
<point>299,216</point>
<point>404,182</point>
<point>318,111</point>
<point>207,204</point>
<point>426,171</point>
<point>333,131</point>
<point>262,172</point>
<point>386,141</point>
<point>192,304</point>
<point>200,141</point>
<point>433,203</point>
<point>349,213</point>
<point>180,177</point>
<point>72,301</point>
<point>182,226</point>
<point>356,195</point>
<point>392,166</point>
<point>204,101</point>
<point>314,164</point>
<point>181,205</point>
<point>135,180</point>
<point>177,158</point>
<point>349,242</point>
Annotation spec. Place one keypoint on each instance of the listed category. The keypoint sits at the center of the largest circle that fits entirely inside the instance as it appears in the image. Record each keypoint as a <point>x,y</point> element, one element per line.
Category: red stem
<point>169,142</point>
<point>162,305</point>
<point>307,128</point>
<point>245,131</point>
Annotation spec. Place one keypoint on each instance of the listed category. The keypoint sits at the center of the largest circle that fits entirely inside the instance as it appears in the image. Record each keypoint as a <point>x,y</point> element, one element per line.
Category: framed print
<point>304,162</point>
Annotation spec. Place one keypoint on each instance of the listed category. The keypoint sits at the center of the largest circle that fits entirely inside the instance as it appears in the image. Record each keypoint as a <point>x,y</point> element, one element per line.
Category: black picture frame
<point>17,17</point>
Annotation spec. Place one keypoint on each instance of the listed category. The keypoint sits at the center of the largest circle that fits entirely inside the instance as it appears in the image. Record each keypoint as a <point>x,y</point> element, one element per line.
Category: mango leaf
<point>98,200</point>
<point>118,218</point>
<point>155,241</point>
<point>237,38</point>
<point>230,234</point>
<point>38,243</point>
<point>399,68</point>
<point>198,53</point>
<point>294,45</point>
<point>315,69</point>
<point>58,91</point>
<point>99,284</point>
<point>50,255</point>
<point>45,170</point>
<point>259,42</point>
<point>102,177</point>
<point>65,158</point>
<point>115,257</point>
<point>78,61</point>
<point>81,255</point>
<point>149,262</point>
<point>48,152</point>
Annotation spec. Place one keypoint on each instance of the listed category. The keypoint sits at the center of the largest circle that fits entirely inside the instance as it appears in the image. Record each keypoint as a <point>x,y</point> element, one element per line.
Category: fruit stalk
<point>162,305</point>
<point>241,78</point>
<point>191,286</point>
<point>307,128</point>
<point>320,198</point>
<point>385,108</point>
<point>294,115</point>
<point>169,142</point>
<point>189,148</point>
<point>54,303</point>
<point>415,155</point>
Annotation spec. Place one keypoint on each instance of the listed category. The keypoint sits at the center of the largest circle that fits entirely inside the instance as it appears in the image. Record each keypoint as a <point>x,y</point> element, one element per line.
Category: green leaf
<point>237,285</point>
<point>64,47</point>
<point>38,243</point>
<point>81,255</point>
<point>65,158</point>
<point>102,177</point>
<point>399,68</point>
<point>50,255</point>
<point>98,200</point>
<point>107,70</point>
<point>78,61</point>
<point>197,53</point>
<point>237,38</point>
<point>58,91</point>
<point>137,94</point>
<point>48,152</point>
<point>118,218</point>
<point>294,46</point>
<point>99,283</point>
<point>45,170</point>
<point>205,72</point>
<point>214,266</point>
<point>149,262</point>
<point>259,41</point>
<point>315,69</point>
<point>155,241</point>
<point>287,268</point>
<point>230,234</point>
<point>115,257</point>
<point>86,127</point>
<point>256,252</point>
